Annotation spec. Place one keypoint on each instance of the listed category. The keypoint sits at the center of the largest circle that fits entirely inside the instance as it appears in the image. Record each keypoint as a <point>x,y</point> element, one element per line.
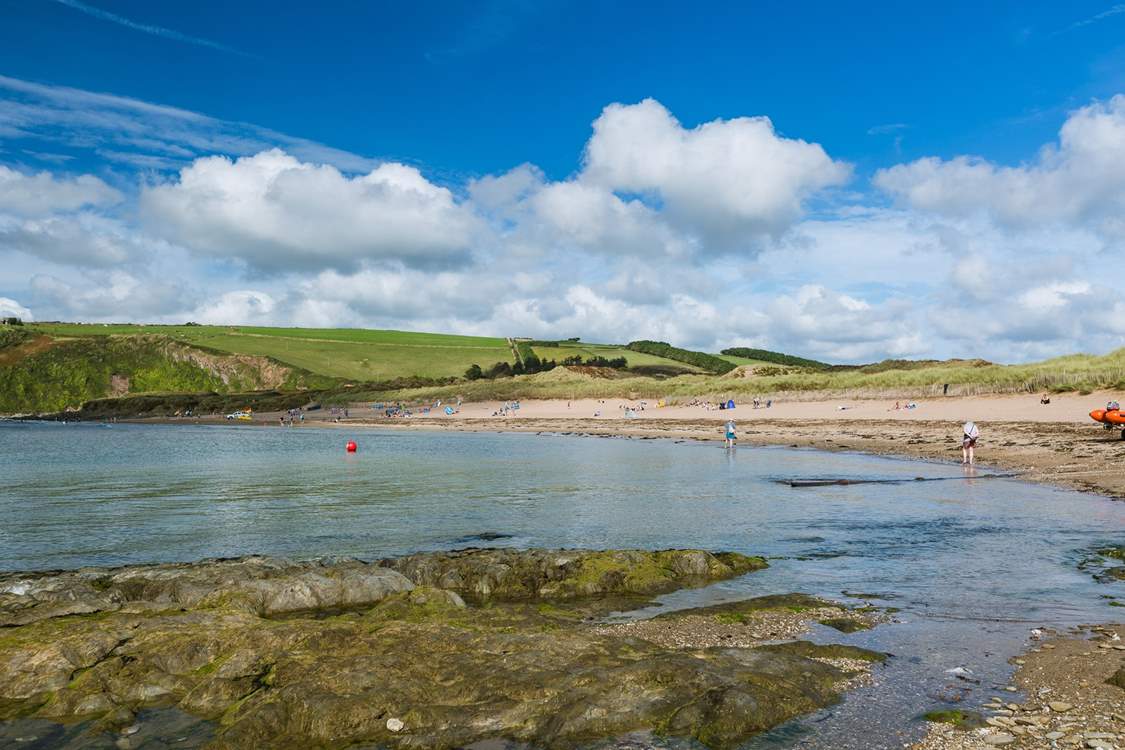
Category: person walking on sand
<point>969,442</point>
<point>730,433</point>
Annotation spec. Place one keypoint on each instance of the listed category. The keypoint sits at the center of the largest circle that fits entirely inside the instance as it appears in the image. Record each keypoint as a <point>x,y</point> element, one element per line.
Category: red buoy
<point>351,446</point>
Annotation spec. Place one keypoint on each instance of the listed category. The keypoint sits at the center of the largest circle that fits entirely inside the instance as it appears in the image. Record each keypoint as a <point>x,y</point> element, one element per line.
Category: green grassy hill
<point>561,350</point>
<point>744,356</point>
<point>48,367</point>
<point>348,353</point>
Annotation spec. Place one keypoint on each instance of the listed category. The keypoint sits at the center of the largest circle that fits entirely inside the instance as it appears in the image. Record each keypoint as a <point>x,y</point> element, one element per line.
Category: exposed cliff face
<point>43,374</point>
<point>245,371</point>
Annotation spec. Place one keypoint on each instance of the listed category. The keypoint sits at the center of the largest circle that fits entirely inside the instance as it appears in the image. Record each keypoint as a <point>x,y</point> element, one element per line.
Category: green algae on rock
<point>845,624</point>
<point>511,575</point>
<point>237,642</point>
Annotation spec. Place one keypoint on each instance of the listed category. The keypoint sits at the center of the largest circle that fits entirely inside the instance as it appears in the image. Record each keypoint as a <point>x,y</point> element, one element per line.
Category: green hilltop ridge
<point>125,369</point>
<point>776,358</point>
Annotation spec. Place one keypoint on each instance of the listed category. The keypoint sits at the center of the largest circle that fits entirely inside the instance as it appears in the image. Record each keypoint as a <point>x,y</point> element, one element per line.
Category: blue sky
<point>904,162</point>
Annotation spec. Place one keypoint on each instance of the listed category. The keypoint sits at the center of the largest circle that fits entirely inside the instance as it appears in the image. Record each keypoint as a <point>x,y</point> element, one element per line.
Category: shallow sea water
<point>973,564</point>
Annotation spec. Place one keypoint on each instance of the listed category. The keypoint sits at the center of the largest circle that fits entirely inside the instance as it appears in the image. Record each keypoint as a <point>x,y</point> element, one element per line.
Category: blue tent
<point>730,404</point>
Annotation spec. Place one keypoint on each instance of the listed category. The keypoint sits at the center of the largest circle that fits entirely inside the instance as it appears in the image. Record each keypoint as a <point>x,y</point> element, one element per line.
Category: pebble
<point>1059,706</point>
<point>1054,735</point>
<point>395,725</point>
<point>1100,744</point>
<point>1000,738</point>
<point>1011,688</point>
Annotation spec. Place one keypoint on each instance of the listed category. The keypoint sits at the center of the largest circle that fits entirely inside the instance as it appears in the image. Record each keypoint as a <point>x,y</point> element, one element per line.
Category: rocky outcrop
<point>511,575</point>
<point>246,371</point>
<point>336,653</point>
<point>260,585</point>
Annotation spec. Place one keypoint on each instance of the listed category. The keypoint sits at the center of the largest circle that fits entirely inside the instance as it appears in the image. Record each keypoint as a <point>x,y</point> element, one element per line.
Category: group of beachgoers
<point>706,405</point>
<point>507,409</point>
<point>292,415</point>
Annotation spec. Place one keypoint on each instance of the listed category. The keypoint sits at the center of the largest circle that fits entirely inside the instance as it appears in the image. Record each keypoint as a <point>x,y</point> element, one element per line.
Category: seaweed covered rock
<point>263,585</point>
<point>448,674</point>
<point>513,575</point>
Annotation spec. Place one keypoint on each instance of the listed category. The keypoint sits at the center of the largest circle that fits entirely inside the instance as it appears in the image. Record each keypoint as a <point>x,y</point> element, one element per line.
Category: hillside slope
<point>39,373</point>
<point>350,353</point>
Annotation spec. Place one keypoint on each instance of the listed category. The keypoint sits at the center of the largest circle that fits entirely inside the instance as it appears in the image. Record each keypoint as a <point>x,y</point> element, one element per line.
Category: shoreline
<point>1074,688</point>
<point>1057,444</point>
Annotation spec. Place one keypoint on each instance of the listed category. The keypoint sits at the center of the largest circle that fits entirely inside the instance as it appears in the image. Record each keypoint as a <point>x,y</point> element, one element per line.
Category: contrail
<point>1113,11</point>
<point>149,29</point>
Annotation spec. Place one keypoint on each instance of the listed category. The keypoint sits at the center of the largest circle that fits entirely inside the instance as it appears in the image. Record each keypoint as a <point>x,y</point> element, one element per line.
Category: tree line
<point>531,364</point>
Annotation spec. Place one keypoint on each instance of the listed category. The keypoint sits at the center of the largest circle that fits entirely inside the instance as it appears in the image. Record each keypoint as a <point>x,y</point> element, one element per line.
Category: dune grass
<point>1080,372</point>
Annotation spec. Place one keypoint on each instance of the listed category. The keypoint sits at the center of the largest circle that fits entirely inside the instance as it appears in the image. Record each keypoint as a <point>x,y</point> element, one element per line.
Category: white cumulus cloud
<point>1081,179</point>
<point>243,307</point>
<point>84,239</point>
<point>275,213</point>
<point>42,194</point>
<point>9,308</point>
<point>728,180</point>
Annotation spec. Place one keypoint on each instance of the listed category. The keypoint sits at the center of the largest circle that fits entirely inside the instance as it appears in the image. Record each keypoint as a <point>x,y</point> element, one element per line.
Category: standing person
<point>969,442</point>
<point>730,433</point>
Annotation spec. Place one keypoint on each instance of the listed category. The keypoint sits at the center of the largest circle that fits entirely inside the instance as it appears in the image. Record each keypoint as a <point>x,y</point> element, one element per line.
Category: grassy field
<point>350,353</point>
<point>740,361</point>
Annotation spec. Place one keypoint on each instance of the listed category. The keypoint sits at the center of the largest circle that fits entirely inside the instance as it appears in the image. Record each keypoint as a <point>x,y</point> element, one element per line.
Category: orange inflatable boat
<point>1111,418</point>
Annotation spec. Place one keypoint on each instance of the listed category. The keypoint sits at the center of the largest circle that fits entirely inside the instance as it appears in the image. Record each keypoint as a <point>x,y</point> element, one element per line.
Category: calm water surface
<point>974,565</point>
